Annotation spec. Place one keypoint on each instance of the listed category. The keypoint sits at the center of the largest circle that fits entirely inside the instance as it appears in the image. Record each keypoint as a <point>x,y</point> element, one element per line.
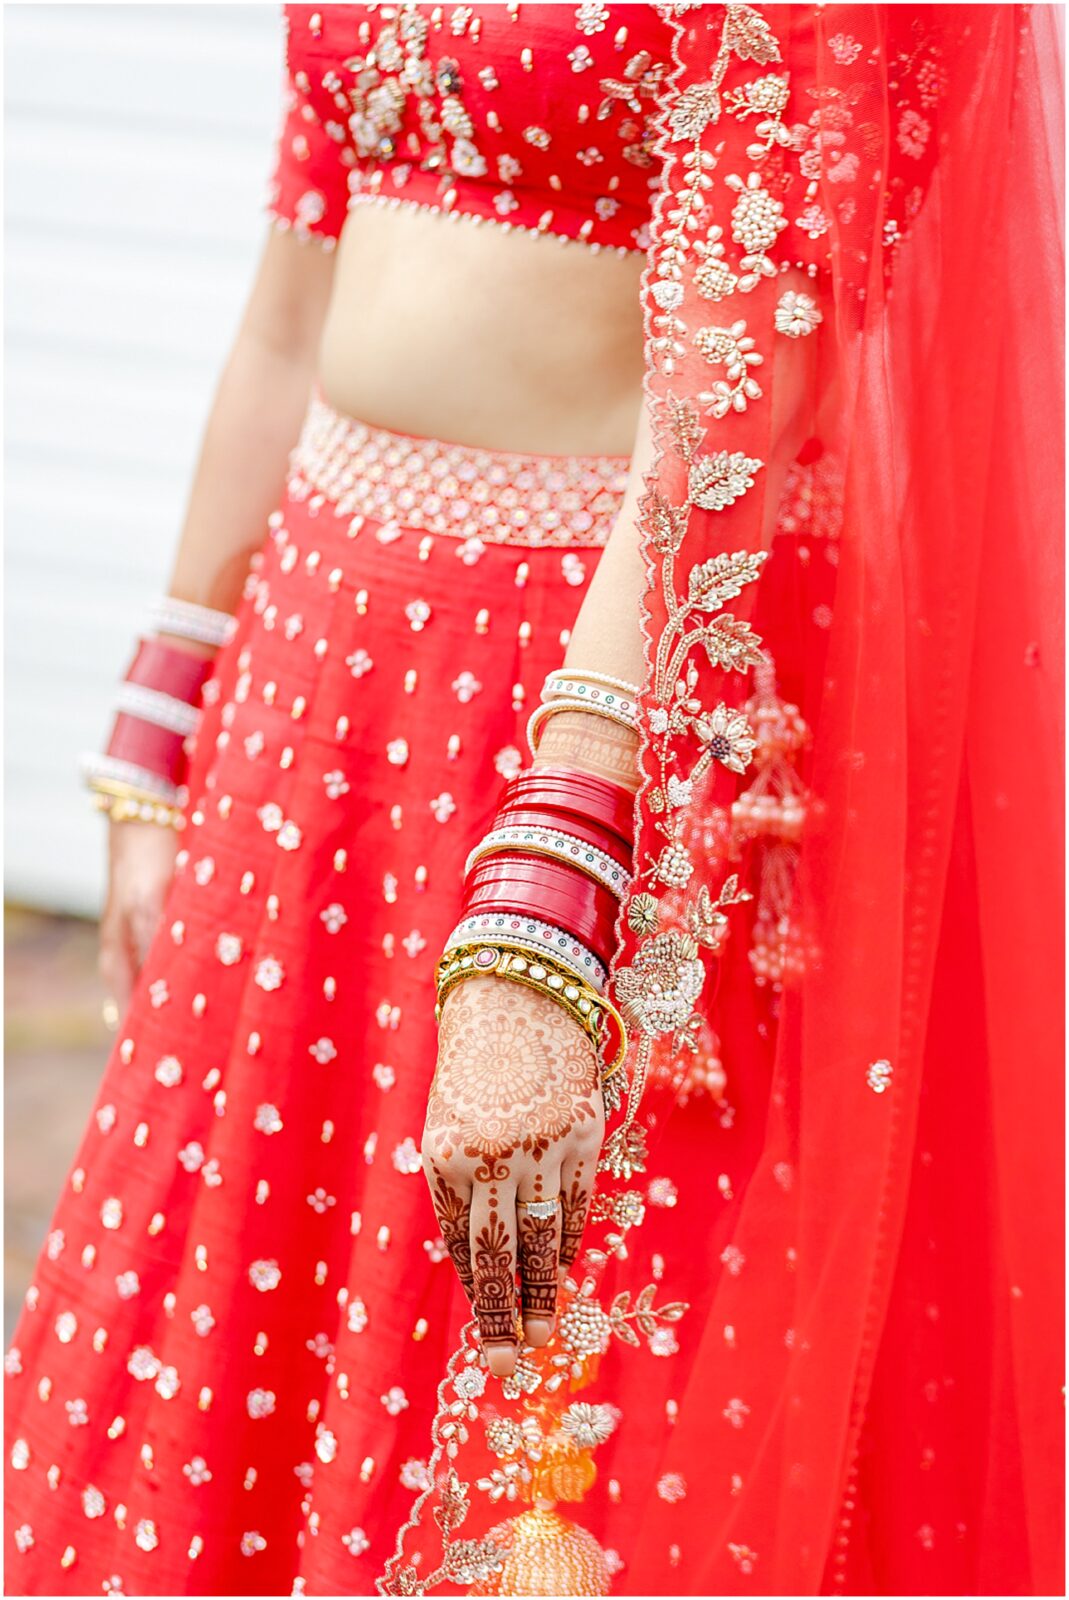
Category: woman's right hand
<point>141,858</point>
<point>515,1117</point>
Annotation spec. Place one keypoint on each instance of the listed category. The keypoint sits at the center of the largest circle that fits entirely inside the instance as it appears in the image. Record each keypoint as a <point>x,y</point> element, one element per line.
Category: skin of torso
<point>469,334</point>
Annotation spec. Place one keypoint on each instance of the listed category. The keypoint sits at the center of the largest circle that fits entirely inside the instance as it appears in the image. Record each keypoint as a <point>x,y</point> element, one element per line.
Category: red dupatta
<point>813,1340</point>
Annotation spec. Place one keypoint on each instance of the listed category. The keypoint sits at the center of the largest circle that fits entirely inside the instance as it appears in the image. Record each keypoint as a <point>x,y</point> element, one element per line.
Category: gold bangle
<point>135,808</point>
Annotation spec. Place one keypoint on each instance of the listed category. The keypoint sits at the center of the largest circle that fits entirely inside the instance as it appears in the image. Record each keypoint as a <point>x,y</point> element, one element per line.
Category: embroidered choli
<point>536,116</point>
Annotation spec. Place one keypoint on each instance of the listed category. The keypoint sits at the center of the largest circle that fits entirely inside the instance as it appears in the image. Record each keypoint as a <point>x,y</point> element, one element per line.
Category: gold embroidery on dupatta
<point>544,1451</point>
<point>659,989</point>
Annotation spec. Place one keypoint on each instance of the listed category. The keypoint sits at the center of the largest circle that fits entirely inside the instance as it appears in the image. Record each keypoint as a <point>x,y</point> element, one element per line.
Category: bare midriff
<point>468,333</point>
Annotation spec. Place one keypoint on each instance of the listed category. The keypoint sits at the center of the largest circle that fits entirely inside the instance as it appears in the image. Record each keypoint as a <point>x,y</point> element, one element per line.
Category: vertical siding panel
<point>138,146</point>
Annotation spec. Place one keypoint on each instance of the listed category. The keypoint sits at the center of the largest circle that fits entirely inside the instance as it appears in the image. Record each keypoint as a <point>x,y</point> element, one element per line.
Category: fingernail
<point>538,1331</point>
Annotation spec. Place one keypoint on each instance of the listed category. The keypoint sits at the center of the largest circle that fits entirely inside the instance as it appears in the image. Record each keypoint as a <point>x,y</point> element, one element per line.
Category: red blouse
<point>533,116</point>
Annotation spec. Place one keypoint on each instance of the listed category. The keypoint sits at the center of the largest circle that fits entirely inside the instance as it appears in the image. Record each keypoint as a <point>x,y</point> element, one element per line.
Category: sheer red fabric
<point>814,1341</point>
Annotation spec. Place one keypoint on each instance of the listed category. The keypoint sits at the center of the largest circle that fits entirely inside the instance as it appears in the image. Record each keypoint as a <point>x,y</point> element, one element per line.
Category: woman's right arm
<point>254,422</point>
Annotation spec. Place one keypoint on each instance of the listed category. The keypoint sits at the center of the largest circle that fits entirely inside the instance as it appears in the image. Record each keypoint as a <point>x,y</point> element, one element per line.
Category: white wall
<point>138,148</point>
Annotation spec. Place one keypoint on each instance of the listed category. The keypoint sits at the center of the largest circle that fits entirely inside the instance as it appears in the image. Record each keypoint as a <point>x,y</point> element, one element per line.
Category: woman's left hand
<point>515,1116</point>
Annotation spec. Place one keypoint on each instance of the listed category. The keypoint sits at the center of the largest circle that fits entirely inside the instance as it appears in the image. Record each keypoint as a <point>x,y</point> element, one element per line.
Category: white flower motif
<point>320,1201</point>
<point>202,1319</point>
<point>289,836</point>
<point>357,1318</point>
<point>505,202</point>
<point>111,1213</point>
<point>797,314</point>
<point>336,784</point>
<point>267,1119</point>
<point>913,134</point>
<point>271,817</point>
<point>323,1051</point>
<point>145,1535</point>
<point>736,1411</point>
<point>57,1240</point>
<point>228,948</point>
<point>167,1383</point>
<point>260,1403</point>
<point>356,1541</point>
<point>395,1400</point>
<point>77,1413</point>
<point>269,974</point>
<point>589,1425</point>
<point>505,1482</point>
<point>591,17</point>
<point>106,1118</point>
<point>265,1275</point>
<point>197,1471</point>
<point>470,1383</point>
<point>572,569</point>
<point>93,1502</point>
<point>663,1342</point>
<point>580,58</point>
<point>158,993</point>
<point>508,761</point>
<point>13,1360</point>
<point>418,613</point>
<point>397,752</point>
<point>384,1076</point>
<point>414,943</point>
<point>252,1543</point>
<point>414,1474</point>
<point>334,917</point>
<point>466,686</point>
<point>658,720</point>
<point>728,736</point>
<point>442,806</point>
<point>469,550</point>
<point>326,1445</point>
<point>359,663</point>
<point>143,1364</point>
<point>672,1486</point>
<point>191,1156</point>
<point>662,1192</point>
<point>406,1157</point>
<point>168,1072</point>
<point>127,1284</point>
<point>733,1259</point>
<point>605,207</point>
<point>24,1539</point>
<point>204,871</point>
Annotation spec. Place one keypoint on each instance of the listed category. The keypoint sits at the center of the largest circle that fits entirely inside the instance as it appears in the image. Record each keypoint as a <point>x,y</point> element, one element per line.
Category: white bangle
<point>186,620</point>
<point>108,769</point>
<point>152,705</point>
<point>561,846</point>
<point>563,680</point>
<point>539,937</point>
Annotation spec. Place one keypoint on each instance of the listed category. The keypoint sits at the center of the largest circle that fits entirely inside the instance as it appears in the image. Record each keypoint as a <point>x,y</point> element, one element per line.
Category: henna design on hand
<point>454,1219</point>
<point>538,1265</point>
<point>507,1081</point>
<point>575,1202</point>
<point>495,1284</point>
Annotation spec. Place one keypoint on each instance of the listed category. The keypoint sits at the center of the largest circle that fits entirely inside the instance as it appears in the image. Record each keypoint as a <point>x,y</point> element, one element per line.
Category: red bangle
<point>576,794</point>
<point>171,671</point>
<point>143,744</point>
<point>535,886</point>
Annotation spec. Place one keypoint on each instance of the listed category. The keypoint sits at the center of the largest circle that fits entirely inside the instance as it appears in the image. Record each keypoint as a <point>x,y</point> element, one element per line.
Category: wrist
<point>590,743</point>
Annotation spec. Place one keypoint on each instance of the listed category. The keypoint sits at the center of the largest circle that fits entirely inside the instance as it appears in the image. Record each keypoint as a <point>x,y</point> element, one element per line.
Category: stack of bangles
<point>542,889</point>
<point>141,775</point>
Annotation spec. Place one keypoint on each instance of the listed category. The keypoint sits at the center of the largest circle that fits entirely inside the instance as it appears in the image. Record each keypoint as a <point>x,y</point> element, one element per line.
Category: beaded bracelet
<point>535,936</point>
<point>136,806</point>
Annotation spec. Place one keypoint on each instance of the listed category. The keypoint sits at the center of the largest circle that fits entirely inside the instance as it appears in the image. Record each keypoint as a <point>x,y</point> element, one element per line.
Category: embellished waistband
<point>496,496</point>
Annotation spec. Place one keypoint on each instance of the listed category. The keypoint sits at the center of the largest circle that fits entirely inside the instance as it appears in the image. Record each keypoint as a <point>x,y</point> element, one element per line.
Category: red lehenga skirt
<point>243,1308</point>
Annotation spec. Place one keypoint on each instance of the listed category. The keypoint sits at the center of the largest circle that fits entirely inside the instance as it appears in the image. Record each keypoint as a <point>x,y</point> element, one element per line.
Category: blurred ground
<point>55,1048</point>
